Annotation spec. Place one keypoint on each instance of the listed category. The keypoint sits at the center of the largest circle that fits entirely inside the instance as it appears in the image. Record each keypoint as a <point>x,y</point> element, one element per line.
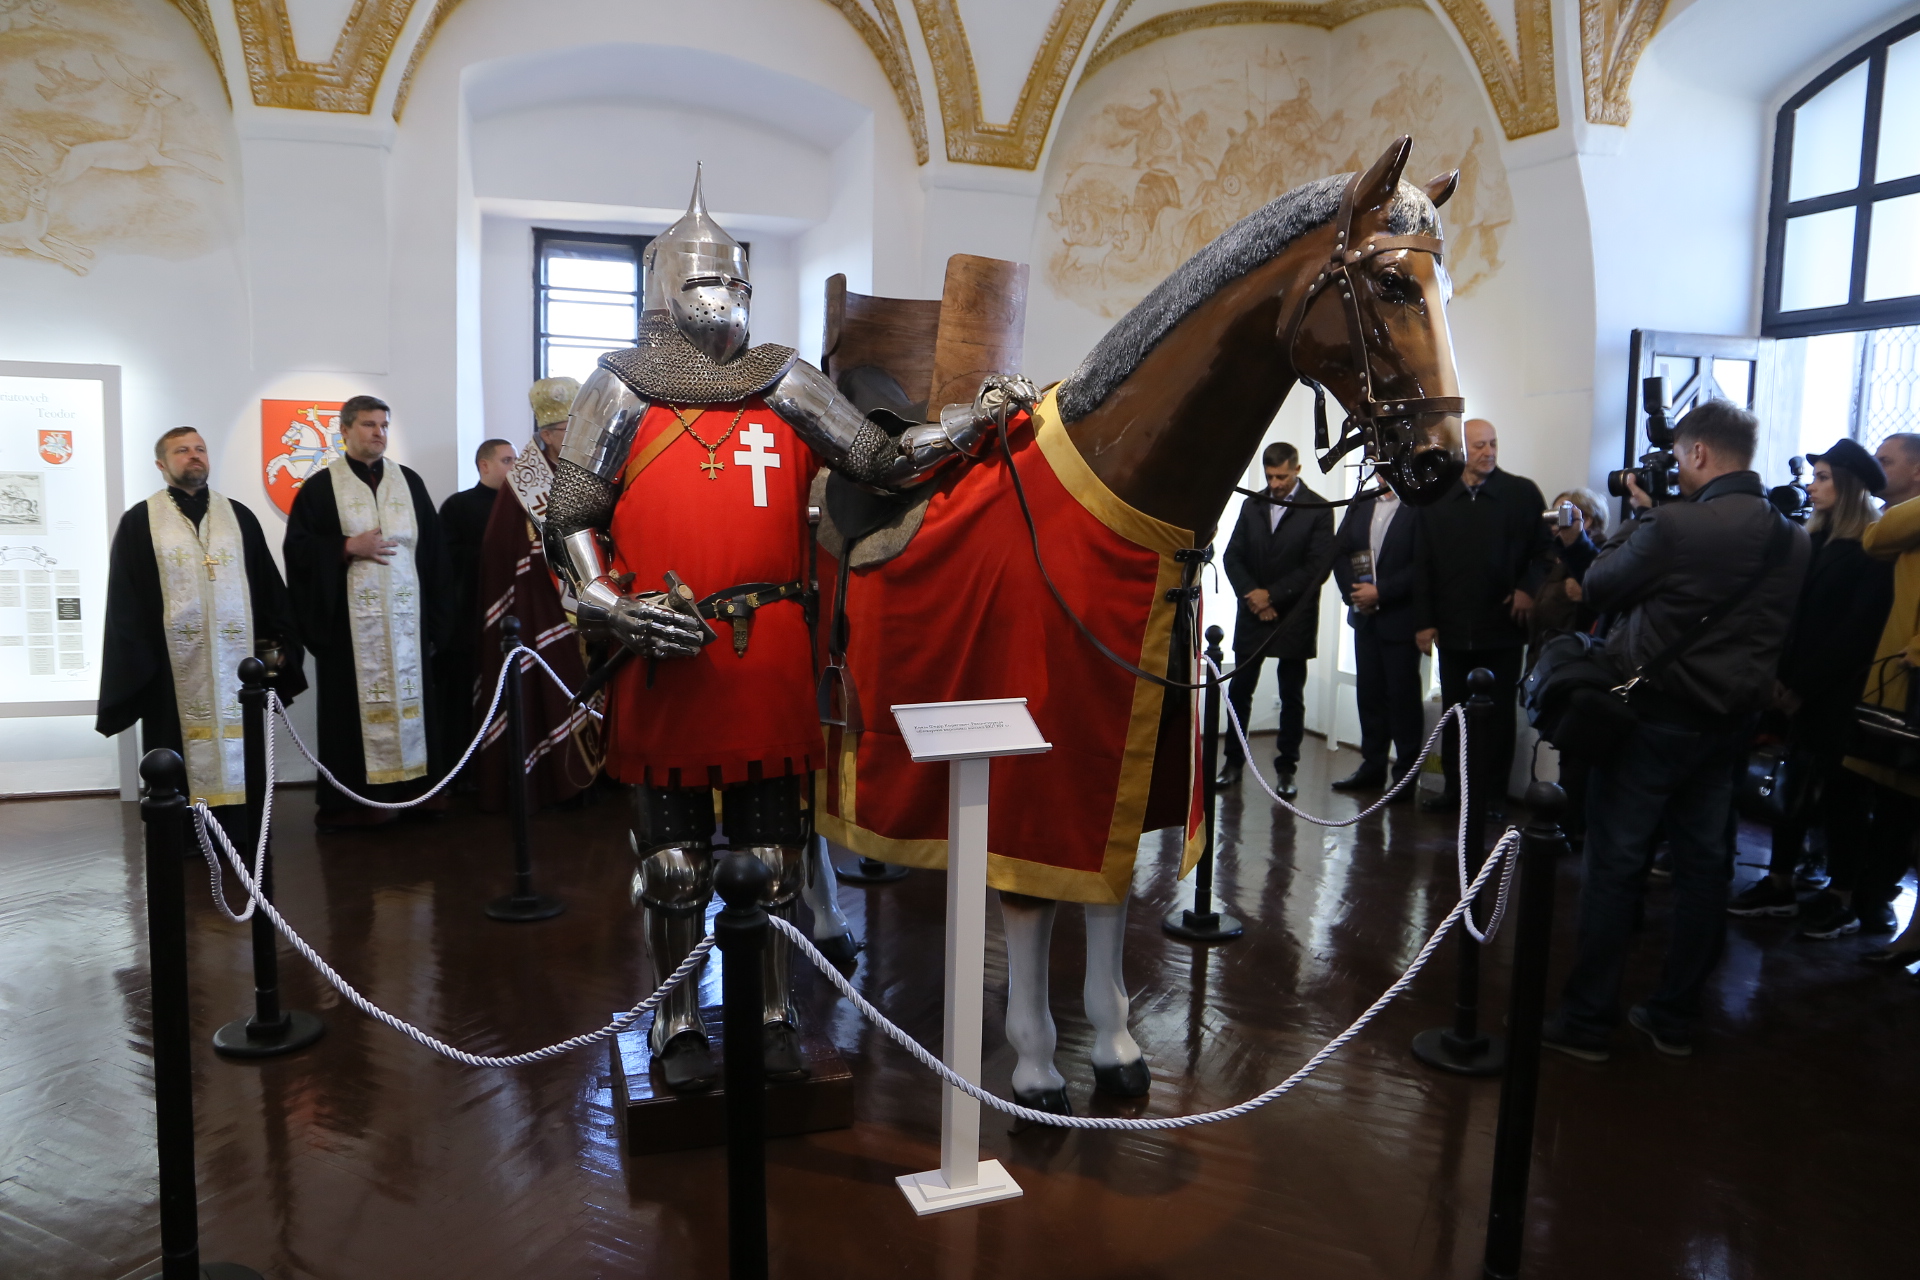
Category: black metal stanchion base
<point>1442,1050</point>
<point>536,906</point>
<point>1202,926</point>
<point>246,1038</point>
<point>871,871</point>
<point>219,1271</point>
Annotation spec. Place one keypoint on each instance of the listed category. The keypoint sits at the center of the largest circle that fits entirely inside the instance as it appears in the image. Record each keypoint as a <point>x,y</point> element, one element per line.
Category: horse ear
<point>1380,183</point>
<point>1441,189</point>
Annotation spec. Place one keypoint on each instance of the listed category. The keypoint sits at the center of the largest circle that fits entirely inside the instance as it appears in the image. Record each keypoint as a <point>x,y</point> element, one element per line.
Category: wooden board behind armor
<point>942,349</point>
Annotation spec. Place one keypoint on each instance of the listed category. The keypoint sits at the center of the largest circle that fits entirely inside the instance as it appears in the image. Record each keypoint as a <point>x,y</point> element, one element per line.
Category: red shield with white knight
<point>298,438</point>
<point>56,447</point>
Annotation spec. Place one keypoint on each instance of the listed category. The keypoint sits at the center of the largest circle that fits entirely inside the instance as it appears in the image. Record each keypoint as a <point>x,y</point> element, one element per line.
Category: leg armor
<point>673,842</point>
<point>764,819</point>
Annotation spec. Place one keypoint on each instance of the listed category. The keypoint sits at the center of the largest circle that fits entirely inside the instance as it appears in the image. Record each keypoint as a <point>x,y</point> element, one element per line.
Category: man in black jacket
<point>1483,555</point>
<point>1277,559</point>
<point>1663,572</point>
<point>1375,559</point>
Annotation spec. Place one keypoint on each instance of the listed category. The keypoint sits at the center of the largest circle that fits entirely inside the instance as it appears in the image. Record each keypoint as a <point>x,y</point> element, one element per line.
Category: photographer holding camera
<point>1703,588</point>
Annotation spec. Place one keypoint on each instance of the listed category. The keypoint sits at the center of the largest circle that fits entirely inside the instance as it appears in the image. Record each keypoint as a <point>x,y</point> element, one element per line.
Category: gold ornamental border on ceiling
<point>972,139</point>
<point>441,9</point>
<point>1326,14</point>
<point>346,82</point>
<point>1521,88</point>
<point>200,18</point>
<point>887,40</point>
<point>1613,35</point>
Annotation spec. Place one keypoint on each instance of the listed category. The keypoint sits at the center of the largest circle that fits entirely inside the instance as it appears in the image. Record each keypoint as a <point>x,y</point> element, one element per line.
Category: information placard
<point>973,730</point>
<point>59,451</point>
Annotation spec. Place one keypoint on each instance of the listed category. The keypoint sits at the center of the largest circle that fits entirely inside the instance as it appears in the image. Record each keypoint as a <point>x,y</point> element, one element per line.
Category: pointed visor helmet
<point>697,274</point>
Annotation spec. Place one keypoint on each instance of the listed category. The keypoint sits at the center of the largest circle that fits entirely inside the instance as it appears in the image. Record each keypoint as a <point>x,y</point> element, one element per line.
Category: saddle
<point>878,526</point>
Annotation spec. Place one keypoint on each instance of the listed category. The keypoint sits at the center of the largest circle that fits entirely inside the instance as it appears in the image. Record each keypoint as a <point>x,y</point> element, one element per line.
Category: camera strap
<point>1779,544</point>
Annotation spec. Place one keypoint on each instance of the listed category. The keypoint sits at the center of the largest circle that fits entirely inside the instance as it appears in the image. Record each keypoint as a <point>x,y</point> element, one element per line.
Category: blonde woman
<point>1842,609</point>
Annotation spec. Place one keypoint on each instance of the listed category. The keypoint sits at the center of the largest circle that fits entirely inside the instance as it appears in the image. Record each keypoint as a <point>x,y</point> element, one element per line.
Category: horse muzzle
<point>1419,456</point>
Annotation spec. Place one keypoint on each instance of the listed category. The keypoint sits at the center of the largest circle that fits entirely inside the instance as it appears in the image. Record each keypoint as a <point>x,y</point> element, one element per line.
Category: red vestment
<point>717,717</point>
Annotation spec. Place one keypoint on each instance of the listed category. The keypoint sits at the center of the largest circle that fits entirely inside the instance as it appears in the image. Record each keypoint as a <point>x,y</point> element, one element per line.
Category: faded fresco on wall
<point>1167,147</point>
<point>112,128</point>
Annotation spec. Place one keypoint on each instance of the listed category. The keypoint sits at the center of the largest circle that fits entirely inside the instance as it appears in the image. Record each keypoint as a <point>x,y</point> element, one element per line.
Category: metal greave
<point>788,863</point>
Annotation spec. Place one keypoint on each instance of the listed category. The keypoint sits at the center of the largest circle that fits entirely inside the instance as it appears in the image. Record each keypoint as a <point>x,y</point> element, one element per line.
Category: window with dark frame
<point>1843,233</point>
<point>586,298</point>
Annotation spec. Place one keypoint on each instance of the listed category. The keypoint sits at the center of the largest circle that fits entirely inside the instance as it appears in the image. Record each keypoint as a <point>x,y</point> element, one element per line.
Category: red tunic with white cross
<point>719,519</point>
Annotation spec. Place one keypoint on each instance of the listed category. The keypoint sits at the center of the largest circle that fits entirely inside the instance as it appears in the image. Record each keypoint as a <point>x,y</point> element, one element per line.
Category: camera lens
<point>1617,483</point>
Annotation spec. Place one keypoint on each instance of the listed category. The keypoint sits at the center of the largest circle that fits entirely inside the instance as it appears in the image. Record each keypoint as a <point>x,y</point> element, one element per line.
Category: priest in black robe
<point>319,557</point>
<point>463,519</point>
<point>136,673</point>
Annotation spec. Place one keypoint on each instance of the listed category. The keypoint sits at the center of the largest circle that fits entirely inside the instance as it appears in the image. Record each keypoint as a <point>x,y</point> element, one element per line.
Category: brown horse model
<point>1131,464</point>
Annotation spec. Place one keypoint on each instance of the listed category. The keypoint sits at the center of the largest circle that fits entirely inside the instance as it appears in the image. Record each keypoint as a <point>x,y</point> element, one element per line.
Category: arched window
<point>1843,234</point>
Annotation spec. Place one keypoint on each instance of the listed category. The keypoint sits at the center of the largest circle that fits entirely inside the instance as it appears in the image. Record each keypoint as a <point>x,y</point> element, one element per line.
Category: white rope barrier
<point>1502,853</point>
<point>372,1010</point>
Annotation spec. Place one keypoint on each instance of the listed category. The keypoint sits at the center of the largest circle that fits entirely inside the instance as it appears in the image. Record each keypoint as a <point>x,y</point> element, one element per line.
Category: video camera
<point>1792,499</point>
<point>1658,474</point>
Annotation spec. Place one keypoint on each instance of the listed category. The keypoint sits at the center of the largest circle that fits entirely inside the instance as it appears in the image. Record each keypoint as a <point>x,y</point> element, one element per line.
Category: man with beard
<point>191,592</point>
<point>368,570</point>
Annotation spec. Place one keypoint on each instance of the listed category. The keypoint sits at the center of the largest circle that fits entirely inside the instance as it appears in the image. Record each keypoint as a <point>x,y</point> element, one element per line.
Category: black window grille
<point>586,298</point>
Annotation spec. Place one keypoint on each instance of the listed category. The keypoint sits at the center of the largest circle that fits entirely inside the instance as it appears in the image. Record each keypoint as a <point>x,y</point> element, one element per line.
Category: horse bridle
<point>1337,273</point>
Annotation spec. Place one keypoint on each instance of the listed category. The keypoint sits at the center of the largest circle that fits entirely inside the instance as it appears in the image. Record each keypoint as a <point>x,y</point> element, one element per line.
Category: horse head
<point>1371,327</point>
<point>1339,281</point>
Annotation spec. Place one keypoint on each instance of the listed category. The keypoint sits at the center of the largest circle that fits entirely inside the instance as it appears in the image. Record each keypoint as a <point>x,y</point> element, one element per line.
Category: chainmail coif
<point>667,369</point>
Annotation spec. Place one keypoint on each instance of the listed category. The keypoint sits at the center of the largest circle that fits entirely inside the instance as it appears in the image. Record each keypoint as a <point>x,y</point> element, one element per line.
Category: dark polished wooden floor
<point>1781,1150</point>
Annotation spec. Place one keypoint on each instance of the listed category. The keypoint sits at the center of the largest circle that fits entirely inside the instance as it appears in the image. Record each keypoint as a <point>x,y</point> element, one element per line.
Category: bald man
<point>1484,551</point>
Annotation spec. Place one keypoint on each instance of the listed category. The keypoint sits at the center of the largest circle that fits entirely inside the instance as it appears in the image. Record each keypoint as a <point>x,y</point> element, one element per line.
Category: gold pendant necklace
<point>711,466</point>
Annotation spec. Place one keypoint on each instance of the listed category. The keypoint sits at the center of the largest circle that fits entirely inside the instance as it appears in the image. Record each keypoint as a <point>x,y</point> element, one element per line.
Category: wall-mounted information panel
<point>60,489</point>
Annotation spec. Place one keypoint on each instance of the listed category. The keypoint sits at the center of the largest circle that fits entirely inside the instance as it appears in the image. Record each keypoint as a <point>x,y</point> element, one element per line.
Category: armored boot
<point>764,820</point>
<point>672,840</point>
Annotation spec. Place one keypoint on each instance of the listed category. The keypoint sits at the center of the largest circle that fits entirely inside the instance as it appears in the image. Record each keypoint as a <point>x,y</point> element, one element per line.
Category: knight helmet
<point>697,274</point>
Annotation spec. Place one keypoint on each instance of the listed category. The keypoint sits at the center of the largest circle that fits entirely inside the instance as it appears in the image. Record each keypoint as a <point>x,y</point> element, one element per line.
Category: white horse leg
<point>1029,929</point>
<point>1119,1068</point>
<point>831,932</point>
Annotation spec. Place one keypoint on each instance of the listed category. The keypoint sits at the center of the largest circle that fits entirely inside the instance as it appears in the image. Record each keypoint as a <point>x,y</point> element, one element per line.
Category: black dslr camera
<point>1792,499</point>
<point>1658,474</point>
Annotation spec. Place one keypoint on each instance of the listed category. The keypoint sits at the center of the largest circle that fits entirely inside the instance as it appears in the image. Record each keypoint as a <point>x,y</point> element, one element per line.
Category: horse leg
<point>1119,1068</point>
<point>1028,925</point>
<point>831,932</point>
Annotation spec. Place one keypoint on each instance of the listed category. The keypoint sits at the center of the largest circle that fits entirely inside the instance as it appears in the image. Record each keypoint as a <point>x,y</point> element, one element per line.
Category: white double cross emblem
<point>757,457</point>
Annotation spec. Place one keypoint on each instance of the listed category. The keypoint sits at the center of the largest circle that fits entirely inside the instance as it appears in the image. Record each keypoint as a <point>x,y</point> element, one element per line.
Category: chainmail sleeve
<point>578,500</point>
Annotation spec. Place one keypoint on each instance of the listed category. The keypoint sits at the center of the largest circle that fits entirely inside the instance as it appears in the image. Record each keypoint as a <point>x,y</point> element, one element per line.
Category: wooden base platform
<point>653,1119</point>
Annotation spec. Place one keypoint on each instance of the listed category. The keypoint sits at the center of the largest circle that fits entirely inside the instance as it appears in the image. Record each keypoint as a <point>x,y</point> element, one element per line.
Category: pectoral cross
<point>757,438</point>
<point>212,562</point>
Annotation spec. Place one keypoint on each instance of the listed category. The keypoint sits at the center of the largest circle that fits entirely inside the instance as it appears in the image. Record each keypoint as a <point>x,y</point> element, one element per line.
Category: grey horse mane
<point>1247,244</point>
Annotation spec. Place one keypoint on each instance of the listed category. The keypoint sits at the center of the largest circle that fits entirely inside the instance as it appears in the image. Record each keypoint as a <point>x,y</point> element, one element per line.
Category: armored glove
<point>1002,395</point>
<point>647,625</point>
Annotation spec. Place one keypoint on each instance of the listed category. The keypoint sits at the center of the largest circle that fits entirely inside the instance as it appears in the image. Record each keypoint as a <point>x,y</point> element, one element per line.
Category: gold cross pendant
<point>211,564</point>
<point>712,467</point>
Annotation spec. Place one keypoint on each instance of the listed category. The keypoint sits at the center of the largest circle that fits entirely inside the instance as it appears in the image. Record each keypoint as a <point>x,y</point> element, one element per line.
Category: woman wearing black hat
<point>1843,607</point>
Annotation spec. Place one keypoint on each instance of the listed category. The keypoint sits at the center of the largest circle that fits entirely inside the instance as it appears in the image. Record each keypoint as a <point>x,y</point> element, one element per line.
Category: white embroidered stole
<point>531,480</point>
<point>383,617</point>
<point>207,616</point>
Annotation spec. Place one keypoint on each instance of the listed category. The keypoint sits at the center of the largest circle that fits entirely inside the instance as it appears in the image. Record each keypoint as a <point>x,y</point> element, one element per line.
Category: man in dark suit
<point>1277,558</point>
<point>1484,552</point>
<point>1375,560</point>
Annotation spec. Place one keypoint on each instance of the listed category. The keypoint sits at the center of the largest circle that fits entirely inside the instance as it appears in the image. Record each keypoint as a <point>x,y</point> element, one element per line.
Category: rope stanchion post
<point>271,1030</point>
<point>1201,923</point>
<point>164,813</point>
<point>1464,1049</point>
<point>523,904</point>
<point>1541,844</point>
<point>740,931</point>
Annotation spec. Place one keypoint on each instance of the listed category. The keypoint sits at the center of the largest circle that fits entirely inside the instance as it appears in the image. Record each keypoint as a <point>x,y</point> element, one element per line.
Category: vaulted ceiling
<point>1001,117</point>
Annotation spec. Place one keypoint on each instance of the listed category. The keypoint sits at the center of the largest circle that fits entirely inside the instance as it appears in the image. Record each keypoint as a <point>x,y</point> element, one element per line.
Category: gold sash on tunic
<point>207,615</point>
<point>383,616</point>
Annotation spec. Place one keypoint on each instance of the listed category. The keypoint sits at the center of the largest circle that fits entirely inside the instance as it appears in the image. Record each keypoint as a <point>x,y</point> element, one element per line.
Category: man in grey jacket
<point>1660,574</point>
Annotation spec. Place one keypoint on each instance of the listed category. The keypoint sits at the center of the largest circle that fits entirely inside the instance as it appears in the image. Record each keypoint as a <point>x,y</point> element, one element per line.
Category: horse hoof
<point>1052,1101</point>
<point>780,1052</point>
<point>840,949</point>
<point>1128,1080</point>
<point>687,1063</point>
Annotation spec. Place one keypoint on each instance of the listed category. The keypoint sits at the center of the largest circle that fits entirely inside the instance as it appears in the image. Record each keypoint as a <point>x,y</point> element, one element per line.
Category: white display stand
<point>967,735</point>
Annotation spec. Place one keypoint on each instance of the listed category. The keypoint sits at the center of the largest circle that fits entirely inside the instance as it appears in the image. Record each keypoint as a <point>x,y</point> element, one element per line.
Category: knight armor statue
<point>679,514</point>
